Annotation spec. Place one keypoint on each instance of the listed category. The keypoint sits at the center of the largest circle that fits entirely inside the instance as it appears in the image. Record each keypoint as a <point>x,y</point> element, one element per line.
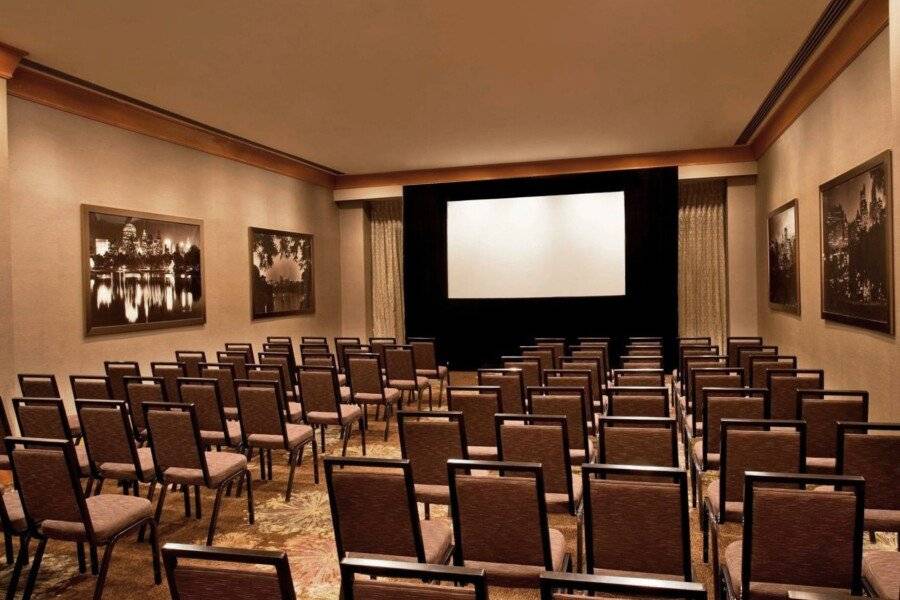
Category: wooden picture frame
<point>271,257</point>
<point>783,235</point>
<point>140,270</point>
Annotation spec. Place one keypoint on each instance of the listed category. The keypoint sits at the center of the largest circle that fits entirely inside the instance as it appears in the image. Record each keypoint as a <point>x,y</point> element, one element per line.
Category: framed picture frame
<point>140,270</point>
<point>857,262</point>
<point>282,278</point>
<point>784,258</point>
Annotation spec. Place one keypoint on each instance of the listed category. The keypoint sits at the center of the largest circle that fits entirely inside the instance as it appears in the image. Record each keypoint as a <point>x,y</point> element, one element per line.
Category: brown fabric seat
<point>119,471</point>
<point>109,513</point>
<point>820,464</point>
<point>221,466</point>
<point>408,384</point>
<point>346,394</point>
<point>558,502</point>
<point>390,394</point>
<point>213,437</point>
<point>295,411</point>
<point>349,412</point>
<point>880,519</point>
<point>638,574</point>
<point>512,575</point>
<point>432,493</point>
<point>437,537</point>
<point>440,373</point>
<point>4,462</point>
<point>296,435</point>
<point>578,455</point>
<point>482,452</point>
<point>13,505</point>
<point>881,568</point>
<point>733,510</point>
<point>712,458</point>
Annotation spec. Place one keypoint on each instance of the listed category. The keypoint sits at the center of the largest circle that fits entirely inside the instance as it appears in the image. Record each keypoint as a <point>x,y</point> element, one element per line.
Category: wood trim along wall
<point>701,156</point>
<point>10,57</point>
<point>869,19</point>
<point>92,103</point>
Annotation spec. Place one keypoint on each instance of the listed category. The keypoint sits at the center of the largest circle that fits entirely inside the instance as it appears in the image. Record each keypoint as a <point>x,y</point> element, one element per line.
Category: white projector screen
<point>537,246</point>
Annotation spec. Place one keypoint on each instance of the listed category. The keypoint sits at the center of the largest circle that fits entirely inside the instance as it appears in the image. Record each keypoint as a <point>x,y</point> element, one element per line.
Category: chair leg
<point>186,493</point>
<point>345,431</point>
<point>17,570</point>
<point>88,487</point>
<point>387,420</point>
<point>292,461</point>
<point>872,536</point>
<point>99,486</point>
<point>362,438</point>
<point>430,396</point>
<point>94,562</point>
<point>154,548</point>
<point>704,528</point>
<point>315,456</point>
<point>159,503</point>
<point>269,463</point>
<point>215,515</point>
<point>322,436</point>
<point>250,516</point>
<point>427,511</point>
<point>79,552</point>
<point>104,568</point>
<point>35,567</point>
<point>8,545</point>
<point>197,500</point>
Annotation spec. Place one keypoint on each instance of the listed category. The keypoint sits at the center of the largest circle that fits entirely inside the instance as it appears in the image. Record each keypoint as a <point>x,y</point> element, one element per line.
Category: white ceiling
<point>383,85</point>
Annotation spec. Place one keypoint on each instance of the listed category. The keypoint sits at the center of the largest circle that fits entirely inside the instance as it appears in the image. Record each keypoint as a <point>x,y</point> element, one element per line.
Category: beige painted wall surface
<point>58,161</point>
<point>6,316</point>
<point>741,228</point>
<point>848,124</point>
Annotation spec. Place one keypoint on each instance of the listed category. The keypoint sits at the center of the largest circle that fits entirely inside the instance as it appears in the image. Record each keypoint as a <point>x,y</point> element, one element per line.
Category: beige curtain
<point>702,267</point>
<point>386,239</point>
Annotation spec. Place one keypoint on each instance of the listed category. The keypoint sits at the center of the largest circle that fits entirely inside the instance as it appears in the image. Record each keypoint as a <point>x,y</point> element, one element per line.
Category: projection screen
<point>537,246</point>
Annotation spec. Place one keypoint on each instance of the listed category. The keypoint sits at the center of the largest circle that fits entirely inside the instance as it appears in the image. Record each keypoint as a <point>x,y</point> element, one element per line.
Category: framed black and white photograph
<point>857,246</point>
<point>140,270</point>
<point>281,273</point>
<point>784,260</point>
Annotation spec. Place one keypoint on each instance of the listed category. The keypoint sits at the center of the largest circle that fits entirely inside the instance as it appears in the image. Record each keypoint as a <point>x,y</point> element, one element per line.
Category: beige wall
<point>58,161</point>
<point>848,124</point>
<point>6,315</point>
<point>741,228</point>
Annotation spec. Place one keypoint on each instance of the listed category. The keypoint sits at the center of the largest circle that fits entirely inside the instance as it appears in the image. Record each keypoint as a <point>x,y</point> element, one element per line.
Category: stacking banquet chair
<point>44,386</point>
<point>210,572</point>
<point>761,365</point>
<point>881,573</point>
<point>638,377</point>
<point>425,351</point>
<point>478,405</point>
<point>224,372</point>
<point>557,343</point>
<point>46,418</point>
<point>512,387</point>
<point>593,364</point>
<point>598,350</point>
<point>650,441</point>
<point>117,371</point>
<point>616,587</point>
<point>733,345</point>
<point>245,347</point>
<point>280,346</point>
<point>421,581</point>
<point>90,387</point>
<point>284,339</point>
<point>46,474</point>
<point>325,359</point>
<point>722,403</point>
<point>823,552</point>
<point>642,350</point>
<point>822,409</point>
<point>568,402</point>
<point>322,404</point>
<point>872,451</point>
<point>783,385</point>
<point>686,351</point>
<point>274,373</point>
<point>691,361</point>
<point>546,354</point>
<point>180,459</point>
<point>500,523</point>
<point>237,359</point>
<point>139,391</point>
<point>638,401</point>
<point>636,528</point>
<point>367,387</point>
<point>580,378</point>
<point>12,519</point>
<point>642,362</point>
<point>111,449</point>
<point>393,531</point>
<point>264,427</point>
<point>747,445</point>
<point>746,355</point>
<point>191,359</point>
<point>378,344</point>
<point>339,344</point>
<point>646,340</point>
<point>400,370</point>
<point>285,362</point>
<point>529,365</point>
<point>428,440</point>
<point>319,339</point>
<point>169,372</point>
<point>691,410</point>
<point>206,396</point>
<point>318,348</point>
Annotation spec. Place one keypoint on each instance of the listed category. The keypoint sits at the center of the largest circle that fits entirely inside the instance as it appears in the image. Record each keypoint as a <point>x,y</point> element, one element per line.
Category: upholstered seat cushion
<point>437,538</point>
<point>881,568</point>
<point>440,373</point>
<point>13,505</point>
<point>559,502</point>
<point>231,412</point>
<point>349,413</point>
<point>4,462</point>
<point>221,465</point>
<point>512,575</point>
<point>578,455</point>
<point>712,458</point>
<point>638,574</point>
<point>295,411</point>
<point>820,464</point>
<point>346,394</point>
<point>759,589</point>
<point>689,424</point>
<point>734,511</point>
<point>119,471</point>
<point>74,424</point>
<point>342,379</point>
<point>213,437</point>
<point>296,435</point>
<point>880,519</point>
<point>109,514</point>
<point>390,395</point>
<point>433,493</point>
<point>482,452</point>
<point>408,384</point>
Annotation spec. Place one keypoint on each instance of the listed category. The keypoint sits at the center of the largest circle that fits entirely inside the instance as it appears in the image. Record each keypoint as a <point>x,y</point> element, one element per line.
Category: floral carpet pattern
<point>301,527</point>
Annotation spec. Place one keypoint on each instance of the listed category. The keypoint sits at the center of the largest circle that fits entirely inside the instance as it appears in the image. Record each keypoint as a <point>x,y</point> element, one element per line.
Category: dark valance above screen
<point>475,332</point>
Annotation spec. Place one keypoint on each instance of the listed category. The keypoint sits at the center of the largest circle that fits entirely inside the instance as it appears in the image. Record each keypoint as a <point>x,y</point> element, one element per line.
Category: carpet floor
<point>301,527</point>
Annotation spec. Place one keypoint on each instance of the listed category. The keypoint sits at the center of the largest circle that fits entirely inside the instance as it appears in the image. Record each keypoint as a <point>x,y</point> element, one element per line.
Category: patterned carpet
<point>301,527</point>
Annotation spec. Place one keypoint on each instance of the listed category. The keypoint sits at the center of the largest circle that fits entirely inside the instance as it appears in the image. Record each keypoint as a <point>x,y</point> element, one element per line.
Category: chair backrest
<point>174,436</point>
<point>761,365</point>
<point>642,362</point>
<point>512,387</point>
<point>236,358</point>
<point>139,390</point>
<point>46,474</point>
<point>638,377</point>
<point>734,344</point>
<point>42,418</point>
<point>205,394</point>
<point>822,409</point>
<point>636,350</point>
<point>580,378</point>
<point>318,359</point>
<point>598,350</point>
<point>592,364</point>
<point>364,374</point>
<point>315,349</point>
<point>373,507</point>
<point>546,354</point>
<point>191,360</point>
<point>649,441</point>
<point>541,439</point>
<point>224,372</point>
<point>378,344</point>
<point>428,440</point>
<point>339,344</point>
<point>558,345</point>
<point>824,552</point>
<point>566,401</point>
<point>261,411</point>
<point>638,401</point>
<point>753,445</point>
<point>284,362</point>
<point>478,404</point>
<point>320,339</point>
<point>748,352</point>
<point>284,347</point>
<point>692,361</point>
<point>499,519</point>
<point>729,403</point>
<point>319,390</point>
<point>871,450</point>
<point>169,372</point>
<point>530,366</point>
<point>38,386</point>
<point>685,351</point>
<point>402,580</point>
<point>270,373</point>
<point>90,387</point>
<point>703,377</point>
<point>783,385</point>
<point>425,351</point>
<point>617,587</point>
<point>245,347</point>
<point>399,362</point>
<point>198,573</point>
<point>639,526</point>
<point>117,371</point>
<point>284,339</point>
<point>108,437</point>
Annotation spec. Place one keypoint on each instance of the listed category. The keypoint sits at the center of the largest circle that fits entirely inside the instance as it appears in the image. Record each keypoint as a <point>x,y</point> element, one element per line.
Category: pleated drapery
<point>386,239</point>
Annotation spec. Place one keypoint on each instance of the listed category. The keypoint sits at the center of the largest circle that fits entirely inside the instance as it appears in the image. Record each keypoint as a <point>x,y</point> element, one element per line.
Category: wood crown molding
<point>702,156</point>
<point>863,26</point>
<point>56,90</point>
<point>10,57</point>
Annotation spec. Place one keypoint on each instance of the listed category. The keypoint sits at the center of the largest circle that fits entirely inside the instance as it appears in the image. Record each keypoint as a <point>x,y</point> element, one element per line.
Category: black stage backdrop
<point>475,333</point>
